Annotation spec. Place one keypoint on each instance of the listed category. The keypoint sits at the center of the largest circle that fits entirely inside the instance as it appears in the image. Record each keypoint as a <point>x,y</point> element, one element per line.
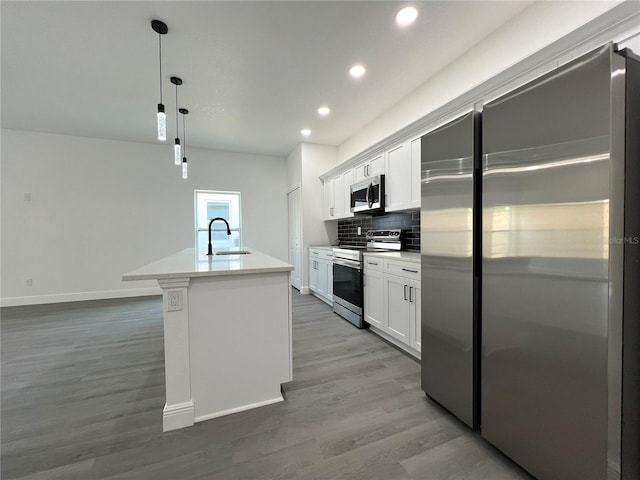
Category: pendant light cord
<point>177,123</point>
<point>184,138</point>
<point>160,62</point>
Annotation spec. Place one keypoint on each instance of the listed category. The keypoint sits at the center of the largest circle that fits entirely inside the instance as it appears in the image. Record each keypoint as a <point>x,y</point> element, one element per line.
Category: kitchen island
<point>227,332</point>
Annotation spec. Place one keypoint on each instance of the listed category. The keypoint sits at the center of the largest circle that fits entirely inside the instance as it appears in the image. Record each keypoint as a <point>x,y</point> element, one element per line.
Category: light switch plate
<point>174,300</point>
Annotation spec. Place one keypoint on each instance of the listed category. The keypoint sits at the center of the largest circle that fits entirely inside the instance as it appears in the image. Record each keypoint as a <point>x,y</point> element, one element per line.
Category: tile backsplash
<point>408,222</point>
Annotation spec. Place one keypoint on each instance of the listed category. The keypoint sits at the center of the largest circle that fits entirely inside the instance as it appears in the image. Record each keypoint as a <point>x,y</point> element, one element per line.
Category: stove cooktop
<point>352,247</point>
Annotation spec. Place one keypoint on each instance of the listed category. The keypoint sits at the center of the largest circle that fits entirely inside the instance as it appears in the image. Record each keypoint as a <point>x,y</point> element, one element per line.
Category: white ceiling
<point>254,72</point>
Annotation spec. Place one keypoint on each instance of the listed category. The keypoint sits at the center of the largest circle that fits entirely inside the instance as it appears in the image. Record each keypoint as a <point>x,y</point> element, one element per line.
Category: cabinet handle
<point>405,292</point>
<point>367,170</point>
<point>372,263</point>
<point>410,294</point>
<point>409,270</point>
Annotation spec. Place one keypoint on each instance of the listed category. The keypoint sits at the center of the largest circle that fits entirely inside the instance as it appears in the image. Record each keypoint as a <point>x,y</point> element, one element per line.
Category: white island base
<point>227,333</point>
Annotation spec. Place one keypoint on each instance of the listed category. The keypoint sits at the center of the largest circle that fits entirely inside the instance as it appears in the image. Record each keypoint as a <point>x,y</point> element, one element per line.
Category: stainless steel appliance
<point>347,273</point>
<point>450,156</point>
<point>368,195</point>
<point>347,284</point>
<point>561,271</point>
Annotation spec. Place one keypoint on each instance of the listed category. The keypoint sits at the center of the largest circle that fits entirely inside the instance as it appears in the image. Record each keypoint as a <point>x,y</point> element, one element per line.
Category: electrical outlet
<point>29,282</point>
<point>174,300</point>
<point>359,230</point>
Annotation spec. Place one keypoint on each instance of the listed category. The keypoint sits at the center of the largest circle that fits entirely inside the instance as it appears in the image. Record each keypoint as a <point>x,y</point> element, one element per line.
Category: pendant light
<point>177,154</point>
<point>161,29</point>
<point>184,112</point>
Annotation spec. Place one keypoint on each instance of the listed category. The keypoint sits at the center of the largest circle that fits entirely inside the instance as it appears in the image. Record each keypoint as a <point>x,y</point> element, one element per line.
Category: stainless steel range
<point>347,273</point>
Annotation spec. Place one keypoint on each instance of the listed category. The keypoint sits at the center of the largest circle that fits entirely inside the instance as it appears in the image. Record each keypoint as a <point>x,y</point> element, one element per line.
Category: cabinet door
<point>416,316</point>
<point>313,274</point>
<point>347,181</point>
<point>361,172</point>
<point>398,309</point>
<point>374,298</point>
<point>330,277</point>
<point>338,196</point>
<point>414,197</point>
<point>328,199</point>
<point>321,266</point>
<point>376,166</point>
<point>397,180</point>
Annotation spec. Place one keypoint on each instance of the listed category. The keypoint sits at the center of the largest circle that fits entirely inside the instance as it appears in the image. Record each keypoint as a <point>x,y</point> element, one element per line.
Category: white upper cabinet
<point>416,173</point>
<point>328,199</point>
<point>337,197</point>
<point>402,182</point>
<point>372,167</point>
<point>347,181</point>
<point>398,177</point>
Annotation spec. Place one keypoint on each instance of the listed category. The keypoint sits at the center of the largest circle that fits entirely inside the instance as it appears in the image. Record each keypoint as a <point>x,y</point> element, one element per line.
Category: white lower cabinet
<point>416,322</point>
<point>398,308</point>
<point>321,274</point>
<point>373,298</point>
<point>392,301</point>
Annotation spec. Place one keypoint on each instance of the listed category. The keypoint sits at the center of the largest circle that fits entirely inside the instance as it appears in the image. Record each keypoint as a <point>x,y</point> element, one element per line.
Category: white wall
<point>536,27</point>
<point>304,165</point>
<point>100,208</point>
<point>316,159</point>
<point>294,168</point>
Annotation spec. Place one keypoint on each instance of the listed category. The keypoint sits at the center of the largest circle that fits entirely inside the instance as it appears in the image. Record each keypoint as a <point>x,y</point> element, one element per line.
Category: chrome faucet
<point>210,246</point>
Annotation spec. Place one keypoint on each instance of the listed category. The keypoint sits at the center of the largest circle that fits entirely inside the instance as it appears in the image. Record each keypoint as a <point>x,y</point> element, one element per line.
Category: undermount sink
<point>233,252</point>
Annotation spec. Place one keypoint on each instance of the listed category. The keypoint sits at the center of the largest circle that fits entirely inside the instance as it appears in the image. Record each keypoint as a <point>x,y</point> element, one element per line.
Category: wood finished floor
<point>83,391</point>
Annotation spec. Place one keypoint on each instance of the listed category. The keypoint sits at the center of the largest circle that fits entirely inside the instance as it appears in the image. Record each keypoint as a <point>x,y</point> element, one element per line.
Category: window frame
<point>216,227</point>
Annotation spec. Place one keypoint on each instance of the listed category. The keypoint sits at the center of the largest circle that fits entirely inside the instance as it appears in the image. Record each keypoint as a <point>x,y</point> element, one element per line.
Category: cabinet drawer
<point>321,253</point>
<point>403,269</point>
<point>373,263</point>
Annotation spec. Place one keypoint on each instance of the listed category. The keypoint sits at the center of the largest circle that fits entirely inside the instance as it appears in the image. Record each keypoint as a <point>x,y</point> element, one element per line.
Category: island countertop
<point>187,264</point>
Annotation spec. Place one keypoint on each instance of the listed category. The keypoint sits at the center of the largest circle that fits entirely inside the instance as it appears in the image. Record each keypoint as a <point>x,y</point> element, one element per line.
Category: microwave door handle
<point>370,197</point>
<point>367,196</point>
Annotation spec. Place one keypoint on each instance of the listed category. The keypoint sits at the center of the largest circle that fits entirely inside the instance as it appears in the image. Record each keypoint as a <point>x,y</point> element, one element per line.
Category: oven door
<point>347,284</point>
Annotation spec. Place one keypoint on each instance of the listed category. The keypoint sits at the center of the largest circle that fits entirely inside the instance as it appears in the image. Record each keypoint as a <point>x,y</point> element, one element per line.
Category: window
<point>208,205</point>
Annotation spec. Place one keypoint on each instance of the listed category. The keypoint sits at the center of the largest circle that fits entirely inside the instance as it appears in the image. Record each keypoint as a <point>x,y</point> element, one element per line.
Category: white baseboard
<point>242,408</point>
<point>177,416</point>
<point>403,346</point>
<point>78,296</point>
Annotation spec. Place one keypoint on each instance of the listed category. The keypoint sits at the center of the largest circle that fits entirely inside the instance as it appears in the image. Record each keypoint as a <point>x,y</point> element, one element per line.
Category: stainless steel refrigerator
<point>449,193</point>
<point>561,271</point>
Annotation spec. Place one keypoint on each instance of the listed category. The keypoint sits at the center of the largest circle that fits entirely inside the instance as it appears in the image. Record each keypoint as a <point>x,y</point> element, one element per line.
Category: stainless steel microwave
<point>368,195</point>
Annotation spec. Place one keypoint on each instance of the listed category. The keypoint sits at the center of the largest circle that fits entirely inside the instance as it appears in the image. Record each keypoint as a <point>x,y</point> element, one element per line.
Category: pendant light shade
<point>161,29</point>
<point>185,175</point>
<point>162,123</point>
<point>177,150</point>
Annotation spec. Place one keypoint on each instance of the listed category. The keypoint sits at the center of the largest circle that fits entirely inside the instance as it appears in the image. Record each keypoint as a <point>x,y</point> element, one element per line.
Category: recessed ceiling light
<point>406,16</point>
<point>357,71</point>
<point>324,111</point>
<point>306,132</point>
